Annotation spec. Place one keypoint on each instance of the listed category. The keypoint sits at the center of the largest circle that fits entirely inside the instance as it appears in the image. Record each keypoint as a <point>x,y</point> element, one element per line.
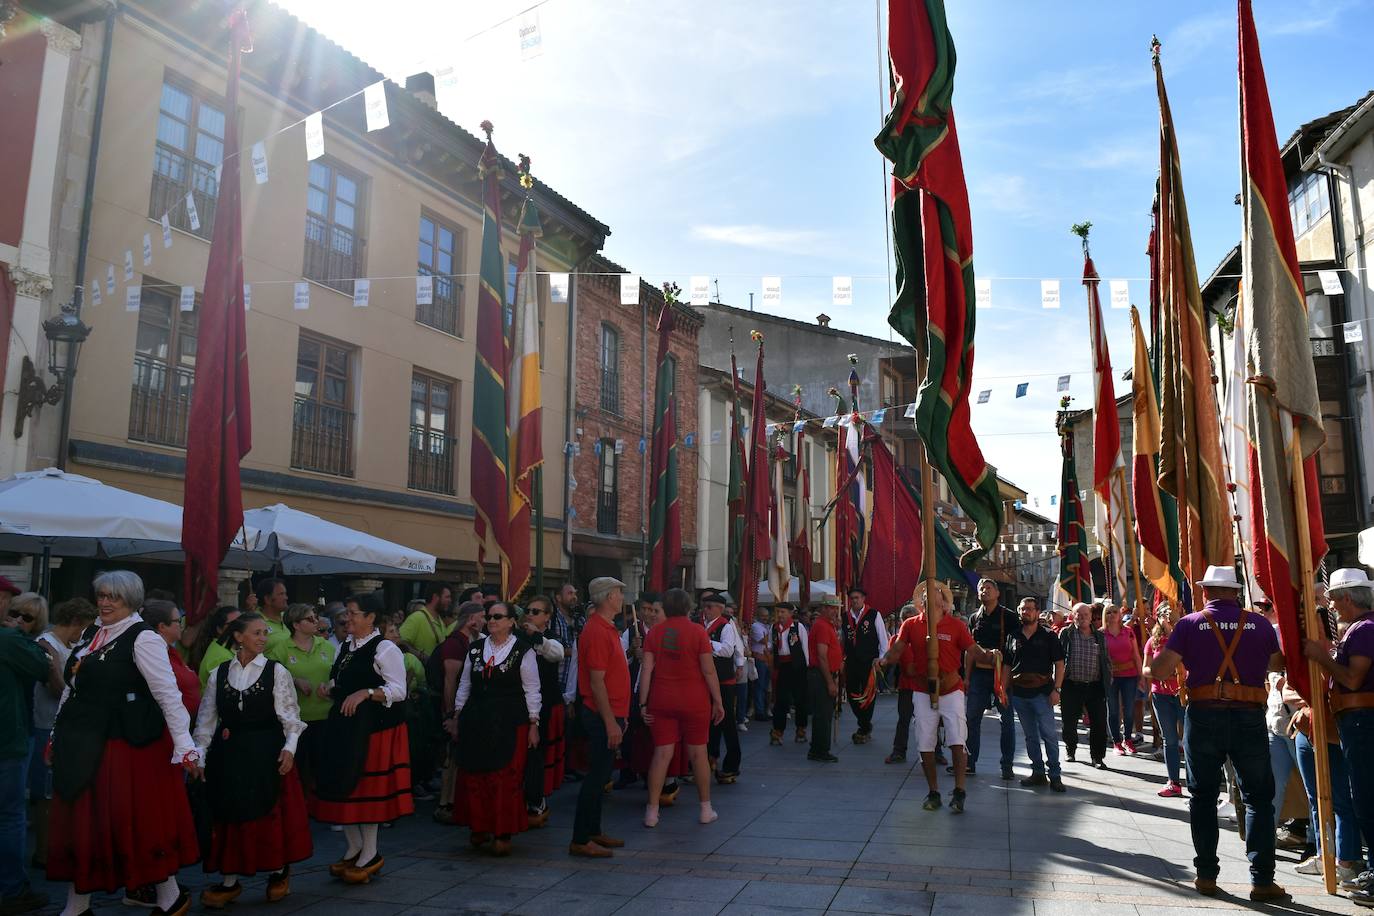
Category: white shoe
<point>1312,865</point>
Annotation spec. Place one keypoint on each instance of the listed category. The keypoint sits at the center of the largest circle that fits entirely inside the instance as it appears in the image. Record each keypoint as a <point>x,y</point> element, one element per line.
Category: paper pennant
<point>1054,500</point>
<point>629,289</point>
<point>109,280</point>
<point>1120,293</point>
<point>798,426</point>
<point>374,102</point>
<point>1021,389</point>
<point>982,292</point>
<point>620,446</point>
<point>446,87</point>
<point>219,171</point>
<point>166,231</point>
<point>1063,383</point>
<point>147,249</point>
<point>879,416</point>
<point>133,295</point>
<point>772,291</point>
<point>424,290</point>
<point>362,292</point>
<point>531,39</point>
<point>128,265</point>
<point>841,291</point>
<point>1049,294</point>
<point>984,395</point>
<point>260,162</point>
<point>1331,282</point>
<point>95,292</point>
<point>192,216</point>
<point>830,422</point>
<point>300,301</point>
<point>1354,332</point>
<point>910,413</point>
<point>700,291</point>
<point>715,437</point>
<point>314,136</point>
<point>247,297</point>
<point>188,298</point>
<point>558,288</point>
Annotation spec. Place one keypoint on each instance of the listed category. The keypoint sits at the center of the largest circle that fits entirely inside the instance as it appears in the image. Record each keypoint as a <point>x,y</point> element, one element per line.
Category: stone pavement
<point>801,837</point>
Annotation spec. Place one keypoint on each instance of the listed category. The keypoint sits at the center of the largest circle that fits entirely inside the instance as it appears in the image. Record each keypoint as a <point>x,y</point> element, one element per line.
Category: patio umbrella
<point>302,544</point>
<point>73,516</point>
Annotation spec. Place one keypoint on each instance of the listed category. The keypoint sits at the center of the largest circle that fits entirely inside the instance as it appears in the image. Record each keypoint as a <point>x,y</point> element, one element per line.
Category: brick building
<point>612,428</point>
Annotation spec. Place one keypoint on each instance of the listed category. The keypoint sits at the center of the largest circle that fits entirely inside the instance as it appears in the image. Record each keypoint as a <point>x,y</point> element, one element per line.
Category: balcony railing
<point>607,512</point>
<point>442,313</point>
<point>173,175</point>
<point>322,438</point>
<point>333,255</point>
<point>431,460</point>
<point>160,402</point>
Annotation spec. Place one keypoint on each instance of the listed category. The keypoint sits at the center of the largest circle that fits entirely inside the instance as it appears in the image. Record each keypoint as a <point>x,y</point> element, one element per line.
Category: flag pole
<point>537,490</point>
<point>928,561</point>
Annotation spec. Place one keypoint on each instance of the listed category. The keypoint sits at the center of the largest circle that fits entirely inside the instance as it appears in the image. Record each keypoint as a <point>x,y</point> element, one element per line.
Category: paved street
<point>796,837</point>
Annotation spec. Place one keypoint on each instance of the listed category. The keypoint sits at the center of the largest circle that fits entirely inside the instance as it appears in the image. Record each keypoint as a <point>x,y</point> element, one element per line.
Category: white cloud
<point>765,238</point>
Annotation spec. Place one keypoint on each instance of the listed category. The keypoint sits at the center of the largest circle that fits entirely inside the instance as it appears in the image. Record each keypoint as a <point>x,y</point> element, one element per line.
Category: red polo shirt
<point>599,649</point>
<point>955,639</point>
<point>823,633</point>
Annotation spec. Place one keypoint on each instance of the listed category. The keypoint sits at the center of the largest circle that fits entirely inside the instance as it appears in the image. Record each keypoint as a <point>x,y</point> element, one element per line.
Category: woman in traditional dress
<point>308,658</point>
<point>119,815</point>
<point>247,731</point>
<point>362,758</point>
<point>498,706</point>
<point>544,764</point>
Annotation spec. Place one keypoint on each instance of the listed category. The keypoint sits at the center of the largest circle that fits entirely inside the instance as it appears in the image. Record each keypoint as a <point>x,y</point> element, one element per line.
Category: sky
<point>735,140</point>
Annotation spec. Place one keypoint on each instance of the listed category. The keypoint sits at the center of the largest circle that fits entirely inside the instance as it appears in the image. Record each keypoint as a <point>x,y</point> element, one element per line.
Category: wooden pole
<point>1131,543</point>
<point>928,564</point>
<point>538,509</point>
<point>1312,627</point>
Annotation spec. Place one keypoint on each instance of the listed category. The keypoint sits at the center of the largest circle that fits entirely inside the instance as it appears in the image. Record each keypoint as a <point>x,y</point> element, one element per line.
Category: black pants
<point>1077,698</point>
<point>856,675</point>
<point>728,729</point>
<point>587,820</point>
<point>534,765</point>
<point>822,711</point>
<point>790,692</point>
<point>906,708</point>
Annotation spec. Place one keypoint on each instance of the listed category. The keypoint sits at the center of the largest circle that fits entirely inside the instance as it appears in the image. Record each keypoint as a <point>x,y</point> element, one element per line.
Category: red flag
<point>219,432</point>
<point>665,509</point>
<point>1108,465</point>
<point>756,498</point>
<point>892,568</point>
<point>1285,426</point>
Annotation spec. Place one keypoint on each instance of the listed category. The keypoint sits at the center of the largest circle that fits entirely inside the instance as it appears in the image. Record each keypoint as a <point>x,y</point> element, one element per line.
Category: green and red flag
<point>524,401</point>
<point>933,238</point>
<point>490,437</point>
<point>756,495</point>
<point>665,511</point>
<point>1075,576</point>
<point>1285,424</point>
<point>1149,512</point>
<point>1109,468</point>
<point>734,495</point>
<point>1190,464</point>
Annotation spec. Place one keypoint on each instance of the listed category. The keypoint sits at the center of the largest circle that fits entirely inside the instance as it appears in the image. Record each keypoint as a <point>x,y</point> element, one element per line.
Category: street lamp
<point>66,327</point>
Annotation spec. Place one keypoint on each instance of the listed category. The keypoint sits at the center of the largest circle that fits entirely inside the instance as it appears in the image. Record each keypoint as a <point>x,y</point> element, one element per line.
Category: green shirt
<point>276,632</point>
<point>215,655</point>
<point>313,666</point>
<point>424,632</point>
<point>23,663</point>
<point>415,674</point>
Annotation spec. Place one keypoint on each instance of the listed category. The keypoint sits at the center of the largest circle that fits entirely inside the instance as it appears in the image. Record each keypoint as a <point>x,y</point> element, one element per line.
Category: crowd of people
<point>136,744</point>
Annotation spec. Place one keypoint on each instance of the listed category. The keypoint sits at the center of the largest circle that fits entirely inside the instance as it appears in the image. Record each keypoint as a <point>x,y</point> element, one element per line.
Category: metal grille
<point>431,460</point>
<point>442,313</point>
<point>173,175</point>
<point>160,402</point>
<point>333,255</point>
<point>322,438</point>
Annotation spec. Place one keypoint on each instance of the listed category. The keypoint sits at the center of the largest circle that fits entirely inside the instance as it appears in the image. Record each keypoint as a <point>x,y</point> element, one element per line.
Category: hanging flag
<point>665,508</point>
<point>128,265</point>
<point>446,95</point>
<point>219,431</point>
<point>531,39</point>
<point>779,574</point>
<point>935,307</point>
<point>188,299</point>
<point>133,297</point>
<point>490,440</point>
<point>1285,412</point>
<point>95,292</point>
<point>1075,578</point>
<point>192,216</point>
<point>1236,450</point>
<point>374,106</point>
<point>1149,512</point>
<point>109,280</point>
<point>799,546</point>
<point>1109,468</point>
<point>1022,388</point>
<point>1049,294</point>
<point>1190,465</point>
<point>734,494</point>
<point>757,549</point>
<point>910,412</point>
<point>523,395</point>
<point>1352,331</point>
<point>314,136</point>
<point>1331,282</point>
<point>247,296</point>
<point>878,417</point>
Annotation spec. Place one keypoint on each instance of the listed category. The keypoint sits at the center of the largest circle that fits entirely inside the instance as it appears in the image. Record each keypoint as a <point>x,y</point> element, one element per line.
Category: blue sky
<point>735,140</point>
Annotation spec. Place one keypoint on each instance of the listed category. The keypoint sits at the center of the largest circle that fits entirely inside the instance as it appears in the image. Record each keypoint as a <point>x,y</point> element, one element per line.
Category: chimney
<point>823,320</point>
<point>421,85</point>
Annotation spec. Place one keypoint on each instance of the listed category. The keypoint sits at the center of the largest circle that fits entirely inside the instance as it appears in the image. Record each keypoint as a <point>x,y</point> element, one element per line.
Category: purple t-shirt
<point>1195,642</point>
<point>1359,640</point>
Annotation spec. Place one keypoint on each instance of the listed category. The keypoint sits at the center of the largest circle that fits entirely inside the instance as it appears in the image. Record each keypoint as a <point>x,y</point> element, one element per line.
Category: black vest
<point>241,775</point>
<point>861,639</point>
<point>109,700</point>
<point>725,667</point>
<point>494,710</point>
<point>796,660</point>
<point>550,685</point>
<point>341,750</point>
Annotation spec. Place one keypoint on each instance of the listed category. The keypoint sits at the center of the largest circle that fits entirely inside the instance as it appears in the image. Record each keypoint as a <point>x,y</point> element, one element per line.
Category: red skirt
<point>131,826</point>
<point>555,751</point>
<point>494,802</point>
<point>383,792</point>
<point>270,843</point>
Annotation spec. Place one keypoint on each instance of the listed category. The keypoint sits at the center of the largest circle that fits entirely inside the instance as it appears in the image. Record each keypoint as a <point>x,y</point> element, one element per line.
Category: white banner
<point>301,300</point>
<point>109,280</point>
<point>1354,332</point>
<point>260,162</point>
<point>95,291</point>
<point>188,298</point>
<point>699,291</point>
<point>374,101</point>
<point>1049,294</point>
<point>772,291</point>
<point>247,297</point>
<point>133,295</point>
<point>362,293</point>
<point>191,215</point>
<point>314,136</point>
<point>147,249</point>
<point>128,265</point>
<point>558,289</point>
<point>531,38</point>
<point>424,290</point>
<point>910,412</point>
<point>1331,282</point>
<point>166,231</point>
<point>982,292</point>
<point>841,291</point>
<point>1120,293</point>
<point>629,289</point>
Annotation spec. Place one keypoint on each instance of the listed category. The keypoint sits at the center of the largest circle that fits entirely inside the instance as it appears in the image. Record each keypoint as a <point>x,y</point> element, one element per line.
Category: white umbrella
<point>306,545</point>
<point>820,590</point>
<point>74,516</point>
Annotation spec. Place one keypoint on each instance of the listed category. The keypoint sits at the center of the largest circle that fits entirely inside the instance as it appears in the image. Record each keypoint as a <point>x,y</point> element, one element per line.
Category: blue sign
<point>690,440</point>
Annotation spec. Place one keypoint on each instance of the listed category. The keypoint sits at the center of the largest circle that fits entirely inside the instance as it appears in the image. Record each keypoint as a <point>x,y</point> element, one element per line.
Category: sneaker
<point>1130,747</point>
<point>1171,790</point>
<point>932,802</point>
<point>1309,866</point>
<point>956,801</point>
<point>1120,749</point>
<point>775,738</point>
<point>1359,882</point>
<point>1363,898</point>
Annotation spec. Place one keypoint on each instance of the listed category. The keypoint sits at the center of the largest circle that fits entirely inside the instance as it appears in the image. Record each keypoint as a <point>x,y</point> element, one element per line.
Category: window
<point>322,428</point>
<point>189,147</point>
<point>610,369</point>
<point>607,490</point>
<point>439,256</point>
<point>1308,201</point>
<point>432,446</point>
<point>164,370</point>
<point>333,245</point>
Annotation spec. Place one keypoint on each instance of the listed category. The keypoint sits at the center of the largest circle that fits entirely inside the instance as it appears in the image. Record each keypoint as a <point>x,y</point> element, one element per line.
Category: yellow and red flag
<point>524,403</point>
<point>1149,511</point>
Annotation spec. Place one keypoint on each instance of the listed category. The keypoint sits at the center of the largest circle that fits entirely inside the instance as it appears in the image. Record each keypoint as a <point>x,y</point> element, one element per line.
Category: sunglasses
<point>105,596</point>
<point>27,618</point>
<point>498,616</point>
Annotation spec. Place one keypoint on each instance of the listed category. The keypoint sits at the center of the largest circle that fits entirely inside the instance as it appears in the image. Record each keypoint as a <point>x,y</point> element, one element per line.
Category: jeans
<point>587,820</point>
<point>1169,716</point>
<point>1121,707</point>
<point>759,698</point>
<point>822,706</point>
<point>980,700</point>
<point>906,708</point>
<point>1347,827</point>
<point>1283,757</point>
<point>1077,698</point>
<point>1211,736</point>
<point>1037,724</point>
<point>727,729</point>
<point>1357,743</point>
<point>14,875</point>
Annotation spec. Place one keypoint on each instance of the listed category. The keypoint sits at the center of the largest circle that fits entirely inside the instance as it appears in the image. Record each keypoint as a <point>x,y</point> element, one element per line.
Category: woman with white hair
<point>119,815</point>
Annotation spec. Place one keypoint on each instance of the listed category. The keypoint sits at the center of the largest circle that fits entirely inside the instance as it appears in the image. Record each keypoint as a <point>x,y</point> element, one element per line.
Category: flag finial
<point>1155,47</point>
<point>1081,230</point>
<point>487,128</point>
<point>671,292</point>
<point>523,169</point>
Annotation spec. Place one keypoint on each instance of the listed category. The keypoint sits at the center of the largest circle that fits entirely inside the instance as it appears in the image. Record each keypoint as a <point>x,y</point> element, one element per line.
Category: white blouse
<point>389,663</point>
<point>529,673</point>
<point>242,677</point>
<point>150,656</point>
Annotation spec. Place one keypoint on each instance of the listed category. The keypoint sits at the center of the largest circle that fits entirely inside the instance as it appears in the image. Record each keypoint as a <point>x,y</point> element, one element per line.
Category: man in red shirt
<point>823,679</point>
<point>910,649</point>
<point>603,683</point>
